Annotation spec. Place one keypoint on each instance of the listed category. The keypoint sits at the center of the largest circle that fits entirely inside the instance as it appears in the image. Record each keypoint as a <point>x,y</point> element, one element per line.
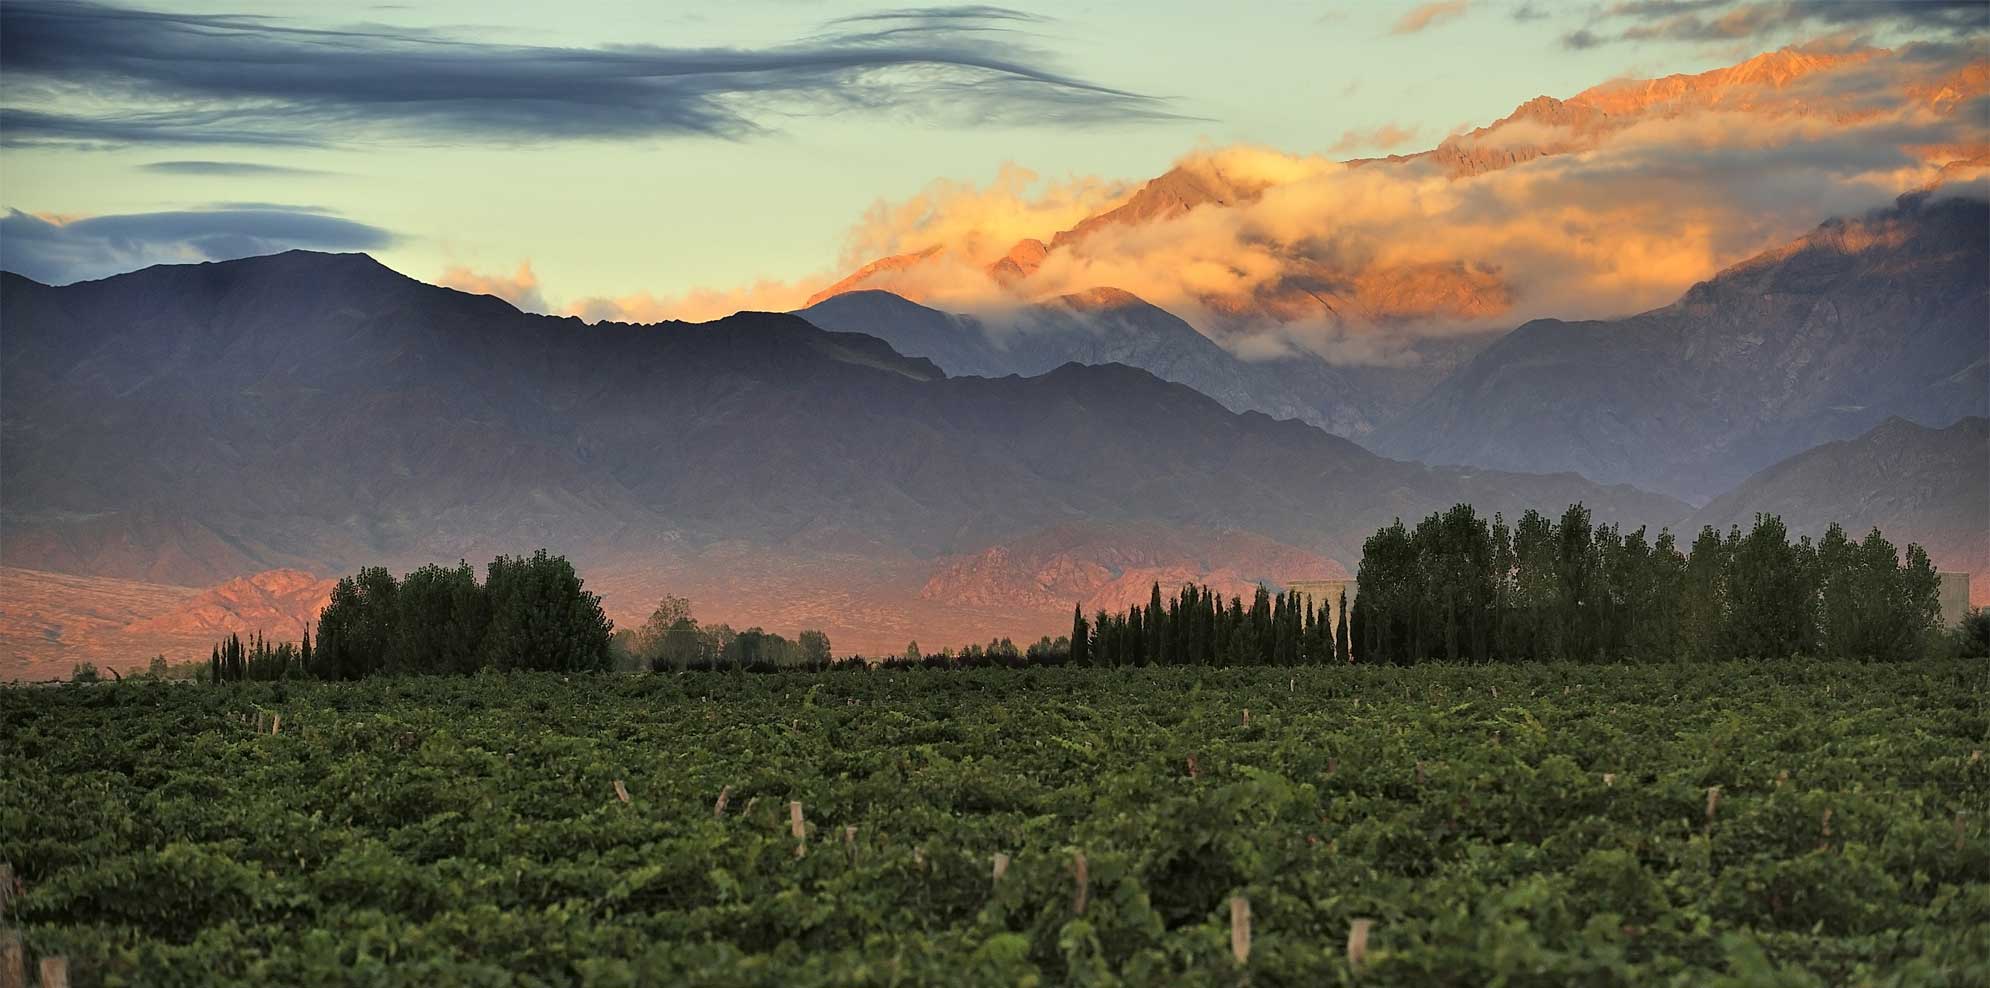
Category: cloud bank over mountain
<point>1610,202</point>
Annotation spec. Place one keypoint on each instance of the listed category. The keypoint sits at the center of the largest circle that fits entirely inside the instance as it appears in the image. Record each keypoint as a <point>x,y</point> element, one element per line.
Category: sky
<point>620,147</point>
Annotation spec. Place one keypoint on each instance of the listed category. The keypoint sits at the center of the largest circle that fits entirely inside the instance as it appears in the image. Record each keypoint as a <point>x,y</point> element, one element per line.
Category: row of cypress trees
<point>233,662</point>
<point>1196,627</point>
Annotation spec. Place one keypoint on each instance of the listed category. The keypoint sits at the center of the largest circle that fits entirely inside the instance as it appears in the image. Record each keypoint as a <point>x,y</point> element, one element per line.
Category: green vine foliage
<point>467,831</point>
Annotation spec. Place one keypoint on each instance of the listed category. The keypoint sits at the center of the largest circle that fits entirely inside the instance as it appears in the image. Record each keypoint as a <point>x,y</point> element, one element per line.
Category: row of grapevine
<point>1729,823</point>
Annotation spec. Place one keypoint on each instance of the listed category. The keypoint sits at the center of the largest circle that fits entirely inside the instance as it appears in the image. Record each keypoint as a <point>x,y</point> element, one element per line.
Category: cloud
<point>977,224</point>
<point>148,77</point>
<point>59,250</point>
<point>228,169</point>
<point>1425,15</point>
<point>1361,262</point>
<point>1381,138</point>
<point>697,305</point>
<point>1754,20</point>
<point>521,288</point>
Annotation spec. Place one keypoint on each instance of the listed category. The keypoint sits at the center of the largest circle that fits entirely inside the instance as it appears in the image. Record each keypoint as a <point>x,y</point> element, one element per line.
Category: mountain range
<point>188,424</point>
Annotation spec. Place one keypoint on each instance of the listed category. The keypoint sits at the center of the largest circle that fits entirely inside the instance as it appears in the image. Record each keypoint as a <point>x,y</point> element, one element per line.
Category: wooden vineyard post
<point>1194,770</point>
<point>620,792</point>
<point>1357,942</point>
<point>1713,800</point>
<point>1609,778</point>
<point>999,867</point>
<point>1824,831</point>
<point>55,972</point>
<point>796,827</point>
<point>1082,880</point>
<point>1240,929</point>
<point>13,962</point>
<point>850,840</point>
<point>719,808</point>
<point>276,725</point>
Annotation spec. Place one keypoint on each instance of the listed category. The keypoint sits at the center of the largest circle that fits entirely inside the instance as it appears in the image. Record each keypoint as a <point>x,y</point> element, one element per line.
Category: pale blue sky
<point>665,213</point>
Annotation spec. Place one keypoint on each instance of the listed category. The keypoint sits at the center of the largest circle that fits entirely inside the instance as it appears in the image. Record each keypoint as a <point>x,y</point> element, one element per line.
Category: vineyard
<point>1666,824</point>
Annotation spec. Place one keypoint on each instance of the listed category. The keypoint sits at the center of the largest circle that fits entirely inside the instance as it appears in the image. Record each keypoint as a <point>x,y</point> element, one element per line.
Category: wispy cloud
<point>520,288</point>
<point>151,77</point>
<point>1754,20</point>
<point>60,250</point>
<point>1382,138</point>
<point>1426,15</point>
<point>227,169</point>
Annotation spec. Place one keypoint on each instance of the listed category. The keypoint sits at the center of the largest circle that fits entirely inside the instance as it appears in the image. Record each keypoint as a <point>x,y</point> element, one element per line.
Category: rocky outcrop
<point>281,604</point>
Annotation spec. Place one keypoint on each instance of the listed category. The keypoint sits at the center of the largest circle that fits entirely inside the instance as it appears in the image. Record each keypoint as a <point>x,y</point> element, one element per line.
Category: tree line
<point>1460,587</point>
<point>1196,627</point>
<point>673,640</point>
<point>529,612</point>
<point>1456,587</point>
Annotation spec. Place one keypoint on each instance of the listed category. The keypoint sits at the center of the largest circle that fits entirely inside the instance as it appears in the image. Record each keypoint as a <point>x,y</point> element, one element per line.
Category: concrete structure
<point>1324,593</point>
<point>1954,596</point>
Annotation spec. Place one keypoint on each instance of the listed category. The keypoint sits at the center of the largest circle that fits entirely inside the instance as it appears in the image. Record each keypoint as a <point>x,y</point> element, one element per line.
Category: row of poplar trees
<point>529,612</point>
<point>1196,627</point>
<point>1462,588</point>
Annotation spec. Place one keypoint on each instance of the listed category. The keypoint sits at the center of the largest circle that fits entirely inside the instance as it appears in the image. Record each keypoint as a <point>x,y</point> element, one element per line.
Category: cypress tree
<point>1081,636</point>
<point>1341,644</point>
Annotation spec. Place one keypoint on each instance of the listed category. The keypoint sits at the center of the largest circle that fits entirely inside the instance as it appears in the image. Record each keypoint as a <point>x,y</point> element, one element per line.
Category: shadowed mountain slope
<point>1863,319</point>
<point>1917,484</point>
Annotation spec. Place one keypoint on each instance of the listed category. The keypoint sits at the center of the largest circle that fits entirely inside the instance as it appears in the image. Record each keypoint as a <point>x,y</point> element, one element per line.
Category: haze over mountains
<point>1105,325</point>
<point>186,424</point>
